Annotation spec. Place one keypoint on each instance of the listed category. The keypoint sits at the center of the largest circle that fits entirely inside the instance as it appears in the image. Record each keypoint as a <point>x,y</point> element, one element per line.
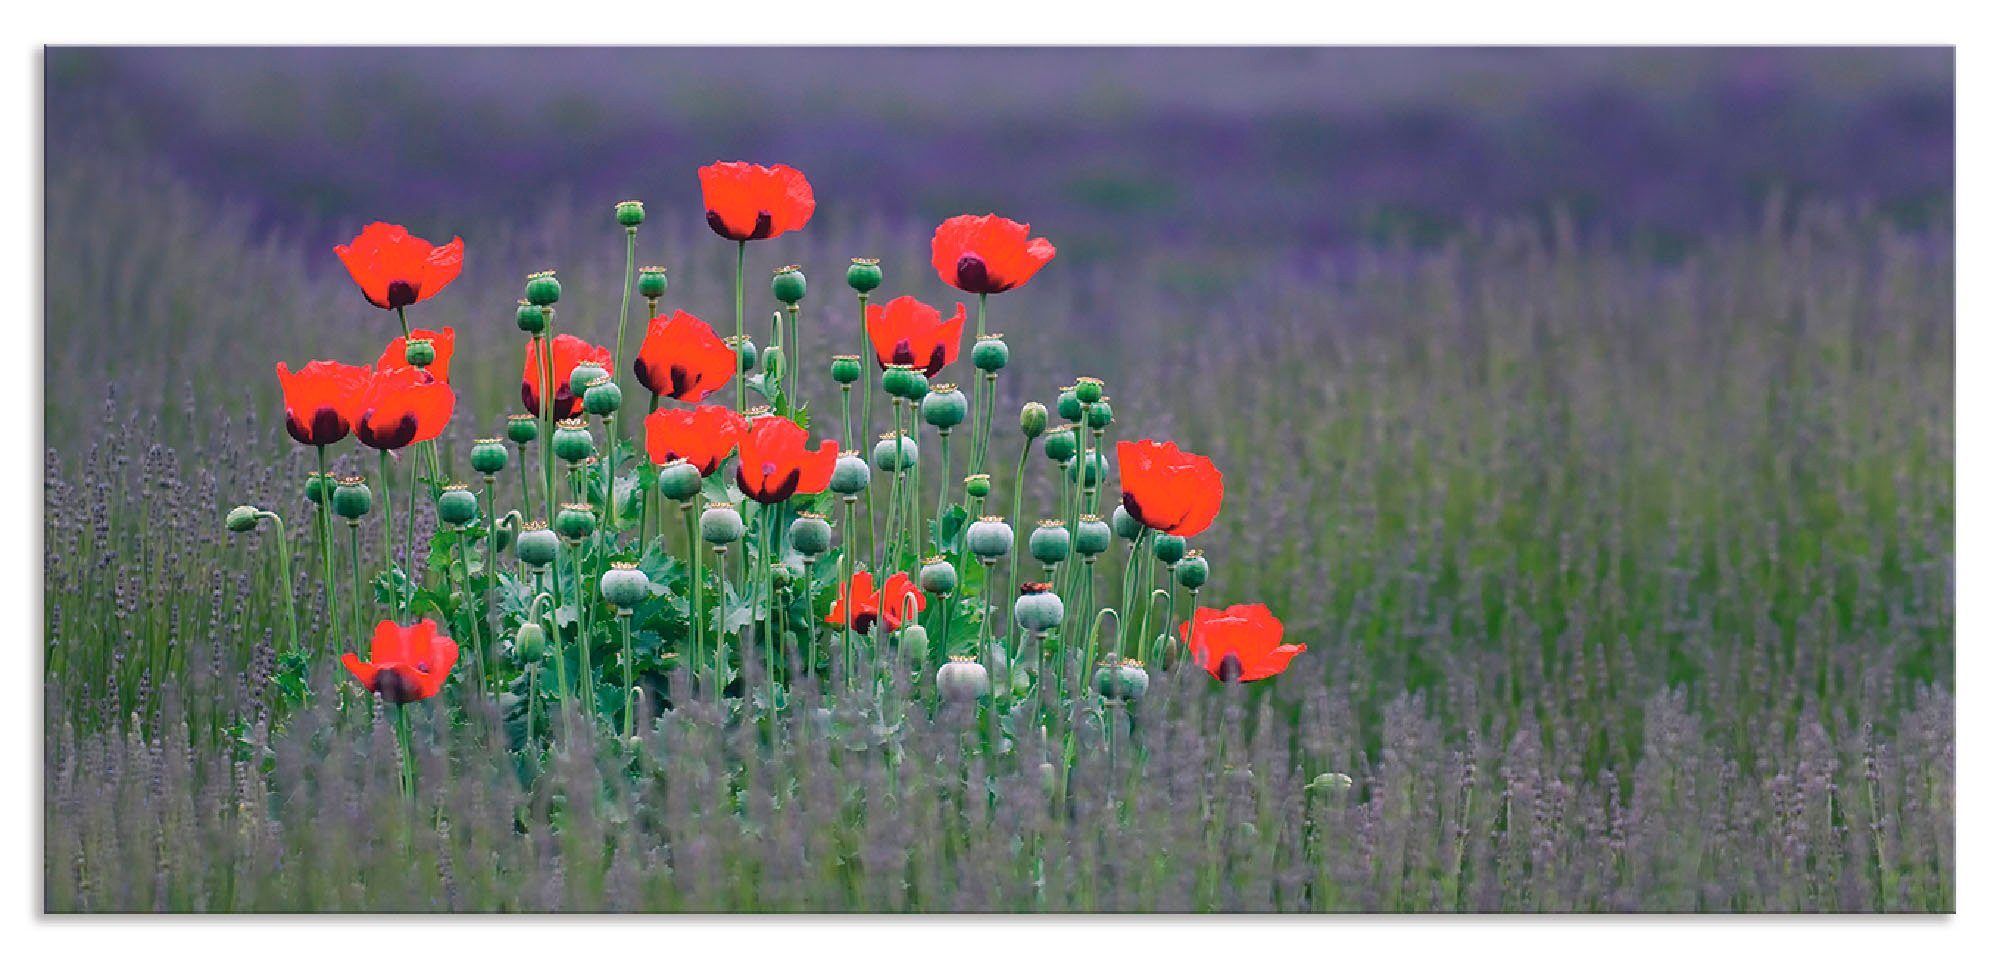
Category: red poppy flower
<point>1239,644</point>
<point>750,202</point>
<point>702,435</point>
<point>773,463</point>
<point>682,358</point>
<point>569,352</point>
<point>395,269</point>
<point>441,341</point>
<point>323,400</point>
<point>908,333</point>
<point>406,663</point>
<point>863,606</point>
<point>404,406</point>
<point>987,254</point>
<point>1176,492</point>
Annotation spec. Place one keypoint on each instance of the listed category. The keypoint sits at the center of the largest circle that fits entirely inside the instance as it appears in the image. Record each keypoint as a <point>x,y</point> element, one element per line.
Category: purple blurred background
<point>1109,149</point>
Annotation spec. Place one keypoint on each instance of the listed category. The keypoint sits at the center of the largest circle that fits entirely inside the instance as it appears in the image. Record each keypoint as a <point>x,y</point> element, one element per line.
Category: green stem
<point>625,297</point>
<point>696,586</point>
<point>285,575</point>
<point>388,510</point>
<point>545,345</point>
<point>354,537</point>
<point>405,752</point>
<point>740,245</point>
<point>491,577</point>
<point>846,588</point>
<point>409,586</point>
<point>586,676</point>
<point>326,537</point>
<point>625,619</point>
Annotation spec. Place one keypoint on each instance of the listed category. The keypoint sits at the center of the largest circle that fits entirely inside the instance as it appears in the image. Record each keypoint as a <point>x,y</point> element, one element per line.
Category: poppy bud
<point>898,379</point>
<point>846,370</point>
<point>575,521</point>
<point>653,282</point>
<point>1092,536</point>
<point>1060,445</point>
<point>962,679</point>
<point>720,525</point>
<point>603,397</point>
<point>1192,571</point>
<point>1127,680</point>
<point>774,362</point>
<point>537,545</point>
<point>630,213</point>
<point>522,428</point>
<point>624,586</point>
<point>746,352</point>
<point>419,353</point>
<point>1039,608</point>
<point>850,474</point>
<point>457,506</point>
<point>505,531</point>
<point>1034,419</point>
<point>1088,389</point>
<point>990,538</point>
<point>1330,783</point>
<point>543,289</point>
<point>895,452</point>
<point>240,519</point>
<point>1169,548</point>
<point>1068,406</point>
<point>864,275</point>
<point>572,442</point>
<point>680,480</point>
<point>530,642</point>
<point>1090,469</point>
<point>351,498</point>
<point>788,284</point>
<point>1049,543</point>
<point>1123,523</point>
<point>989,354</point>
<point>811,534</point>
<point>586,372</point>
<point>914,641</point>
<point>488,456</point>
<point>1097,415</point>
<point>937,576</point>
<point>530,318</point>
<point>943,406</point>
<point>978,485</point>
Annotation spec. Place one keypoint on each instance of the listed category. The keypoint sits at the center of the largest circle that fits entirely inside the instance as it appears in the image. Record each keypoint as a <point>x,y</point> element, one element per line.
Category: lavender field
<point>1587,414</point>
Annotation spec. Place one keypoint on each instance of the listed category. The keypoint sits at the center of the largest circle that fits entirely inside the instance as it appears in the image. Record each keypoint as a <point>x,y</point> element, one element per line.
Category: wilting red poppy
<point>702,435</point>
<point>863,606</point>
<point>569,352</point>
<point>682,358</point>
<point>323,400</point>
<point>987,254</point>
<point>1242,643</point>
<point>441,341</point>
<point>906,332</point>
<point>773,463</point>
<point>750,202</point>
<point>404,406</point>
<point>406,663</point>
<point>395,269</point>
<point>1176,492</point>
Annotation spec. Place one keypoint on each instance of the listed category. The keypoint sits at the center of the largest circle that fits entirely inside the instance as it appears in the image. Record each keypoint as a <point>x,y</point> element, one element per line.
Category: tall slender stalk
<point>326,526</point>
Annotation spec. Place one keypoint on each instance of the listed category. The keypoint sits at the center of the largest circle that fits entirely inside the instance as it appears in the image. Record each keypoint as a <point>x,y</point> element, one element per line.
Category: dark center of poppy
<point>972,275</point>
<point>902,354</point>
<point>394,435</point>
<point>1231,669</point>
<point>395,687</point>
<point>401,293</point>
<point>679,382</point>
<point>323,429</point>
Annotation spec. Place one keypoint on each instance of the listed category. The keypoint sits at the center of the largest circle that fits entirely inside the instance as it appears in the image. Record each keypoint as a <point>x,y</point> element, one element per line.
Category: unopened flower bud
<point>351,498</point>
<point>864,275</point>
<point>774,362</point>
<point>943,406</point>
<point>603,397</point>
<point>1038,608</point>
<point>419,352</point>
<point>543,289</point>
<point>1192,571</point>
<point>1169,548</point>
<point>1049,543</point>
<point>653,282</point>
<point>846,370</point>
<point>914,642</point>
<point>811,534</point>
<point>788,284</point>
<point>530,642</point>
<point>989,354</point>
<point>680,480</point>
<point>937,576</point>
<point>1060,444</point>
<point>990,538</point>
<point>240,519</point>
<point>850,475</point>
<point>894,453</point>
<point>538,545</point>
<point>530,318</point>
<point>522,428</point>
<point>489,455</point>
<point>1093,536</point>
<point>575,521</point>
<point>624,586</point>
<point>720,525</point>
<point>630,213</point>
<point>456,506</point>
<point>962,679</point>
<point>572,442</point>
<point>1034,419</point>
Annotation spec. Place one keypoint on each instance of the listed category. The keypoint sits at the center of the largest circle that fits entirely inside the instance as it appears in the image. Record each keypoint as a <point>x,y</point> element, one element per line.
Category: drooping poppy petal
<point>395,269</point>
<point>404,406</point>
<point>1175,492</point>
<point>323,400</point>
<point>750,202</point>
<point>568,352</point>
<point>394,355</point>
<point>987,254</point>
<point>406,663</point>
<point>682,358</point>
<point>1242,643</point>
<point>906,332</point>
<point>773,463</point>
<point>703,435</point>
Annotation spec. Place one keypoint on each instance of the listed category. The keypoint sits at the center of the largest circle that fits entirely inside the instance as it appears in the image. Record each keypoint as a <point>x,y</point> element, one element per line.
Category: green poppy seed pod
<point>603,397</point>
<point>896,379</point>
<point>864,275</point>
<point>489,455</point>
<point>846,370</point>
<point>894,453</point>
<point>543,289</point>
<point>653,282</point>
<point>530,642</point>
<point>850,474</point>
<point>585,373</point>
<point>1192,571</point>
<point>420,352</point>
<point>943,406</point>
<point>1060,445</point>
<point>962,679</point>
<point>937,576</point>
<point>1093,536</point>
<point>1127,680</point>
<point>1088,389</point>
<point>318,487</point>
<point>1097,415</point>
<point>351,498</point>
<point>774,362</point>
<point>456,506</point>
<point>720,525</point>
<point>1038,608</point>
<point>240,519</point>
<point>522,428</point>
<point>746,352</point>
<point>575,521</point>
<point>811,534</point>
<point>1123,523</point>
<point>1034,419</point>
<point>1169,548</point>
<point>978,485</point>
<point>1068,406</point>
<point>680,480</point>
<point>630,213</point>
<point>788,284</point>
<point>989,354</point>
<point>572,442</point>
<point>530,318</point>
<point>1090,470</point>
<point>990,538</point>
<point>538,545</point>
<point>1049,543</point>
<point>624,586</point>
